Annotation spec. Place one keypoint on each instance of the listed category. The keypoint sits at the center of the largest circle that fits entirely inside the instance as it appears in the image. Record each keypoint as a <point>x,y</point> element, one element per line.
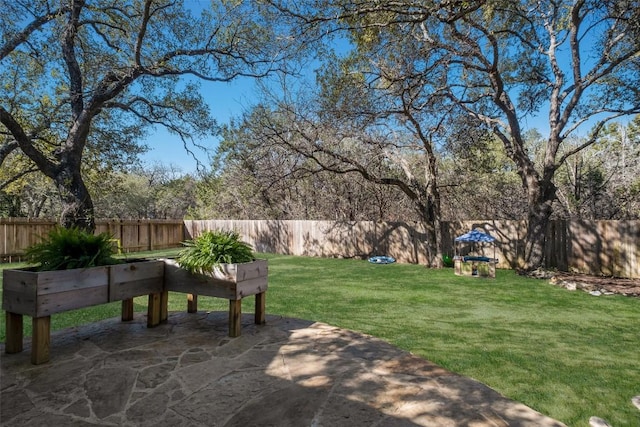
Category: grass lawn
<point>566,354</point>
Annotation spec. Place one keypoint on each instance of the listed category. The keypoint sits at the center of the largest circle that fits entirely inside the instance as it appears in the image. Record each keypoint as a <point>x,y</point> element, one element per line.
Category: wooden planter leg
<point>13,342</point>
<point>127,309</point>
<point>260,308</point>
<point>164,306</point>
<point>40,339</point>
<point>235,315</point>
<point>154,309</point>
<point>192,303</point>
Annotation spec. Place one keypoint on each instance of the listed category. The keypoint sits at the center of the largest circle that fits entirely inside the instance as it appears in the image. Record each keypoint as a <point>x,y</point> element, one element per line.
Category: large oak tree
<point>571,66</point>
<point>95,73</point>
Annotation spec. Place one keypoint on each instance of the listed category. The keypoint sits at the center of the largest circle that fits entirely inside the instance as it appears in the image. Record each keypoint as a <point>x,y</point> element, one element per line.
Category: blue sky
<point>225,100</point>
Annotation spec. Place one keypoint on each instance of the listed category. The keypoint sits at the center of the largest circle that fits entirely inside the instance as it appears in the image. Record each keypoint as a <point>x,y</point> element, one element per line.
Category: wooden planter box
<point>232,282</point>
<point>40,294</point>
<point>43,293</point>
<point>137,278</point>
<point>133,279</point>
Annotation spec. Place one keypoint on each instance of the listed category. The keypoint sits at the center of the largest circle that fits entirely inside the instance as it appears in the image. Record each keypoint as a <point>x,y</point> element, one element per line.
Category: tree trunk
<point>541,198</point>
<point>430,212</point>
<point>535,241</point>
<point>433,236</point>
<point>77,206</point>
<point>434,243</point>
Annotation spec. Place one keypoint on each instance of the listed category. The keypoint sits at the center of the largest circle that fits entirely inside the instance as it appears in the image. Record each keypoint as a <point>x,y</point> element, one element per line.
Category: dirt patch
<point>604,285</point>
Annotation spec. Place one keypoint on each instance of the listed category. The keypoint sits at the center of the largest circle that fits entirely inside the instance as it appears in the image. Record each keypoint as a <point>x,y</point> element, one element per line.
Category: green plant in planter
<point>67,248</point>
<point>212,248</point>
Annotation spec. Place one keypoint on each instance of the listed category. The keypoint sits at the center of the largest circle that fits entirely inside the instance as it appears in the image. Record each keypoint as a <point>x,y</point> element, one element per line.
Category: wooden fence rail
<point>610,248</point>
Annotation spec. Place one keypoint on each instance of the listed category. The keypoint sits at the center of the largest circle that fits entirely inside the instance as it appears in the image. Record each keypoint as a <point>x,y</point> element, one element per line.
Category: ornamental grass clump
<point>210,249</point>
<point>68,248</point>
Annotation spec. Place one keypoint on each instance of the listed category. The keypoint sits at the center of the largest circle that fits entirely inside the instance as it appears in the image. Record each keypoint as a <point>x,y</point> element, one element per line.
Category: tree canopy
<point>83,73</point>
<point>572,65</point>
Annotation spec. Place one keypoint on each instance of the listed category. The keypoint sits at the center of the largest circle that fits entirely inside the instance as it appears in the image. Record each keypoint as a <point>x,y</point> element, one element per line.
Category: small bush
<point>67,248</point>
<point>212,248</point>
<point>447,261</point>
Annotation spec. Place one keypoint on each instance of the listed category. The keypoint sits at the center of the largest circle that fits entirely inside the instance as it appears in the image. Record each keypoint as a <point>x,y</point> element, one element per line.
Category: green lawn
<point>566,354</point>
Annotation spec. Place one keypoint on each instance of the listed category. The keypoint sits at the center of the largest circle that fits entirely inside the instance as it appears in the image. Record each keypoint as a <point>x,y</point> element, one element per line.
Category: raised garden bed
<point>230,281</point>
<point>40,294</point>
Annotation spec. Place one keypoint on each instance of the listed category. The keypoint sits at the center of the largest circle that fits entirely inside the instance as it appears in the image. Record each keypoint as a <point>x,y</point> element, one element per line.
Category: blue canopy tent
<point>476,236</point>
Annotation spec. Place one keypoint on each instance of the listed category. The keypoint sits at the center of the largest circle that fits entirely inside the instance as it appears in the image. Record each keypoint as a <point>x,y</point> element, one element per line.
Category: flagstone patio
<point>289,372</point>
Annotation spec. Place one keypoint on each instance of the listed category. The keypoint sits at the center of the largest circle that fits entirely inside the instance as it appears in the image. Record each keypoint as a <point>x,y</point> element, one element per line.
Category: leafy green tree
<point>576,60</point>
<point>502,63</point>
<point>175,198</point>
<point>9,205</point>
<point>478,181</point>
<point>83,73</point>
<point>207,194</point>
<point>603,181</point>
<point>155,191</point>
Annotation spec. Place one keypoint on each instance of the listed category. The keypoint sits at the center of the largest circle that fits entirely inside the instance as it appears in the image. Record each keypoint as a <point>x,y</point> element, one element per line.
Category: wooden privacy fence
<point>129,235</point>
<point>402,240</point>
<point>610,248</point>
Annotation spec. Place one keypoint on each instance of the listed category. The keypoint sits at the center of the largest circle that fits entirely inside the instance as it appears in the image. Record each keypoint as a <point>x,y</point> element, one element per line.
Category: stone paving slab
<point>289,372</point>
